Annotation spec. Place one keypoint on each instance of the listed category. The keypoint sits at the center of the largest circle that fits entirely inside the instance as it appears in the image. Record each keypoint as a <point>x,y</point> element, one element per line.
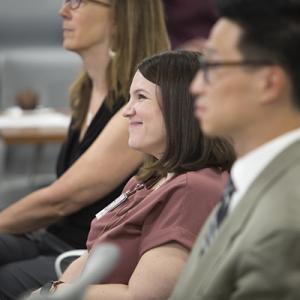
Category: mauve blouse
<point>174,212</point>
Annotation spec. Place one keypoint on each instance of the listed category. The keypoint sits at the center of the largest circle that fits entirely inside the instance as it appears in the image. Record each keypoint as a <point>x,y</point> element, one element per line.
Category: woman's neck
<point>96,101</point>
<point>96,61</point>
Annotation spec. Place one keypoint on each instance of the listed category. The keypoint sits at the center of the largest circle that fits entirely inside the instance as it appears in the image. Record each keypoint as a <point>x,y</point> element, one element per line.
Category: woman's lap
<point>22,276</point>
<point>25,264</point>
<point>16,247</point>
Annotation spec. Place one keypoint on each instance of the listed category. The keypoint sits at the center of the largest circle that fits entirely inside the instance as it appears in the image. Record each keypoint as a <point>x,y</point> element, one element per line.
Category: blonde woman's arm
<point>100,169</point>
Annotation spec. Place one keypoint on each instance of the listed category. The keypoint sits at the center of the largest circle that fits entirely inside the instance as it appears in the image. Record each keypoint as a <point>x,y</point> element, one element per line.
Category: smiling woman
<point>165,205</point>
<point>146,125</point>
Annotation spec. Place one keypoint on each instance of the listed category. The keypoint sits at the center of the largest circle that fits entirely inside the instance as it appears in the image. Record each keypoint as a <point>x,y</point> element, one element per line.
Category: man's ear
<point>274,84</point>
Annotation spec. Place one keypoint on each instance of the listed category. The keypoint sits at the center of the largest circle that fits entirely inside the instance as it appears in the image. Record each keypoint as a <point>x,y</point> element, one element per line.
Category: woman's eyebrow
<point>139,90</point>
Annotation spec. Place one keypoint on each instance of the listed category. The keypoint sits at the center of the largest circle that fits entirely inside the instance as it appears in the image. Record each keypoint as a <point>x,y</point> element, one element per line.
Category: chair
<point>65,259</point>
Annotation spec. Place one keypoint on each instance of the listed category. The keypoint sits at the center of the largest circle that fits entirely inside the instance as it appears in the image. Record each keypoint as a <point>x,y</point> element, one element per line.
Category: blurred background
<point>35,71</point>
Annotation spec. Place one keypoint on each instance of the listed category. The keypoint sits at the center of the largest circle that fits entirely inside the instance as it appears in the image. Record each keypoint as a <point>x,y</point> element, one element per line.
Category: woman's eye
<point>141,97</point>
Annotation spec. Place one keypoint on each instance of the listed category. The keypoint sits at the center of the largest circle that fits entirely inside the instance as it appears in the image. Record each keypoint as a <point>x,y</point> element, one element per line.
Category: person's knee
<point>10,286</point>
<point>25,276</point>
<point>14,248</point>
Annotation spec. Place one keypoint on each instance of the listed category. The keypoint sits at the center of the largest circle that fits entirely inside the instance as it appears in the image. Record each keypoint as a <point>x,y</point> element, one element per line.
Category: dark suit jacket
<point>256,253</point>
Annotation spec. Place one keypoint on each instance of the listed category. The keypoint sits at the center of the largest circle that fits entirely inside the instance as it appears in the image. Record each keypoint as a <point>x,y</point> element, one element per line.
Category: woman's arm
<point>100,169</point>
<point>153,278</point>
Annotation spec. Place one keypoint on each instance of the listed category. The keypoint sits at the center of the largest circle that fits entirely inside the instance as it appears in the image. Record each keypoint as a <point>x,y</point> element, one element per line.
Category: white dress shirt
<point>246,169</point>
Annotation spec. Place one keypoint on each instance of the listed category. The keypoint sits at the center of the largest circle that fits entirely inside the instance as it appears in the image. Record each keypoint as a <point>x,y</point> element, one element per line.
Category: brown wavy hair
<point>187,149</point>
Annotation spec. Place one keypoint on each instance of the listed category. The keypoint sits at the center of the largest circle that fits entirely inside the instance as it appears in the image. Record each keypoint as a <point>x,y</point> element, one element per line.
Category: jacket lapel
<point>236,221</point>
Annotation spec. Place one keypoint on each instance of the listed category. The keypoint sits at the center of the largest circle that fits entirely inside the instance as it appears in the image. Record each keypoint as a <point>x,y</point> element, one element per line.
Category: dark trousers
<point>27,262</point>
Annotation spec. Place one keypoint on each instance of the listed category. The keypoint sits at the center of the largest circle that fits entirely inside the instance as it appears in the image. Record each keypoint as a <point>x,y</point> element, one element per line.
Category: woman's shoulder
<point>199,191</point>
<point>208,177</point>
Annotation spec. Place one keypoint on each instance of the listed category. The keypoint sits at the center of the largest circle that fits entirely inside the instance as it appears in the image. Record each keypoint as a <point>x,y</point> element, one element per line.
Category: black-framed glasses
<point>74,4</point>
<point>206,65</point>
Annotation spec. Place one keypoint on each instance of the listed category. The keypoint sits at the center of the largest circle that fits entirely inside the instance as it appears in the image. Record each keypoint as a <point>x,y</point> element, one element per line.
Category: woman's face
<point>147,131</point>
<point>89,26</point>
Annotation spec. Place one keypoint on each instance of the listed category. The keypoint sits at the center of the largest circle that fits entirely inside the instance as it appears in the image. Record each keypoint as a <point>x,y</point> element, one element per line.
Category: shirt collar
<point>248,167</point>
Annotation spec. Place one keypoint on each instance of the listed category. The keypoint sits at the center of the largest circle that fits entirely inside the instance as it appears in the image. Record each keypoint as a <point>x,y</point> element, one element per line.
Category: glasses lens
<point>75,3</point>
<point>206,74</point>
<point>204,70</point>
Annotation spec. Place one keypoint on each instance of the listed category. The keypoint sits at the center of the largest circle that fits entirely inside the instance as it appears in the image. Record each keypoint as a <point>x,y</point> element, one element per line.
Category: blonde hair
<point>140,32</point>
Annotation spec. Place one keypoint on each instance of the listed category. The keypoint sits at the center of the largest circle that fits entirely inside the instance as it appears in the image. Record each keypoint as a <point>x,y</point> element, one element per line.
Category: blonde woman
<point>111,37</point>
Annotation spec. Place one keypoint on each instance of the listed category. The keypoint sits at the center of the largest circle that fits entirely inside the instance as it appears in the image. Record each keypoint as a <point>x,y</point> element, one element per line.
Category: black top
<point>74,228</point>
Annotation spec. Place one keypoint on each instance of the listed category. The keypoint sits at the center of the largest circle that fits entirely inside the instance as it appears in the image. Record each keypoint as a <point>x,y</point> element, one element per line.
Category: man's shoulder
<point>278,193</point>
<point>277,209</point>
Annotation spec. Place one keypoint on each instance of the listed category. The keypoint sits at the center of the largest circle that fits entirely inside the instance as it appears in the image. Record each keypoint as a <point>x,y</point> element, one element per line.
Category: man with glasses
<point>248,89</point>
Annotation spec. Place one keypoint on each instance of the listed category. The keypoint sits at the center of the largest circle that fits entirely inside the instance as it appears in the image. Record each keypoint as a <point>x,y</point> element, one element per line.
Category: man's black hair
<point>270,30</point>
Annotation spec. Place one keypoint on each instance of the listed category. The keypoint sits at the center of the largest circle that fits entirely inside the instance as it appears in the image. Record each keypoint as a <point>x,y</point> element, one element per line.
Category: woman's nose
<point>128,109</point>
<point>64,10</point>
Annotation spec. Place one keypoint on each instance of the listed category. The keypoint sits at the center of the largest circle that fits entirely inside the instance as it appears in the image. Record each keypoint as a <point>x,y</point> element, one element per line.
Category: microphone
<point>100,263</point>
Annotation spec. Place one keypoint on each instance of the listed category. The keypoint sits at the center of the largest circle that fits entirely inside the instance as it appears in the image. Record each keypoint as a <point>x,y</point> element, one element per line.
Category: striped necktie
<point>225,202</point>
<point>219,216</point>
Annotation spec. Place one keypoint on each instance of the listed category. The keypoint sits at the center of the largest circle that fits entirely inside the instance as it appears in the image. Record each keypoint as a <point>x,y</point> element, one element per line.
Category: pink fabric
<point>173,213</point>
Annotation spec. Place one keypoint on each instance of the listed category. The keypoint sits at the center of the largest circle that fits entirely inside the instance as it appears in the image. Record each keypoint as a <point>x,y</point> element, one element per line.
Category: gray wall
<point>31,57</point>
